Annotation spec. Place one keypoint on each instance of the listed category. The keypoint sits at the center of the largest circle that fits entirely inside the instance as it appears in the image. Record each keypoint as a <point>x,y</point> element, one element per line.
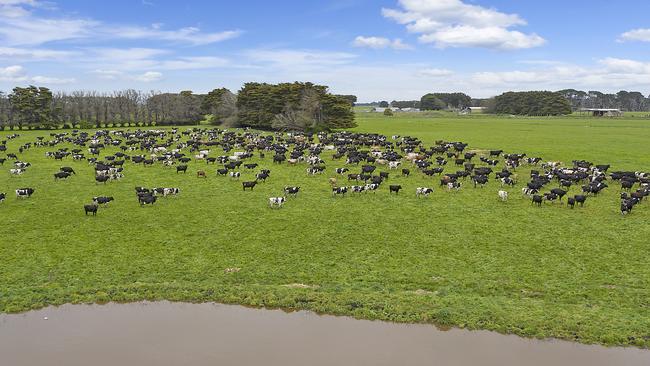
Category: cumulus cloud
<point>12,73</point>
<point>379,43</point>
<point>452,23</point>
<point>436,73</point>
<point>52,80</point>
<point>641,35</point>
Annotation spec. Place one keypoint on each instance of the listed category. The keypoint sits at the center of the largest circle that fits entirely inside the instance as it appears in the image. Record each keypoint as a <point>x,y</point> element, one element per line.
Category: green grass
<point>455,259</point>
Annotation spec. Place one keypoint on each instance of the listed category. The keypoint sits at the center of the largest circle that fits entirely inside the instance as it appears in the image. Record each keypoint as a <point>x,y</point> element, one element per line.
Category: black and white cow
<point>25,192</point>
<point>339,191</point>
<point>235,175</point>
<point>17,171</point>
<point>537,200</point>
<point>276,202</point>
<point>102,200</point>
<point>423,191</point>
<point>147,199</point>
<point>292,191</point>
<point>3,196</point>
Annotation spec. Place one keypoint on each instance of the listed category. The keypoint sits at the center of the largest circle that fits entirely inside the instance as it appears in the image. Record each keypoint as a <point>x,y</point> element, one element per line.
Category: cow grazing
<point>67,169</point>
<point>262,176</point>
<point>223,171</point>
<point>3,196</point>
<point>394,188</point>
<point>91,209</point>
<point>537,200</point>
<point>291,191</point>
<point>276,202</point>
<point>61,175</point>
<point>393,164</point>
<point>357,189</point>
<point>453,185</point>
<point>627,206</point>
<point>529,191</point>
<point>102,178</point>
<point>342,170</point>
<point>339,191</point>
<point>423,192</point>
<point>102,200</point>
<point>235,175</point>
<point>147,199</point>
<point>250,166</point>
<point>406,172</point>
<point>24,192</point>
<point>181,168</point>
<point>559,192</point>
<point>17,171</point>
<point>503,195</point>
<point>250,185</point>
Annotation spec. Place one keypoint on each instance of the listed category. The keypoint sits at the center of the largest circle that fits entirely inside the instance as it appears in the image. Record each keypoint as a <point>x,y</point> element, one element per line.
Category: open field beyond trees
<point>461,259</point>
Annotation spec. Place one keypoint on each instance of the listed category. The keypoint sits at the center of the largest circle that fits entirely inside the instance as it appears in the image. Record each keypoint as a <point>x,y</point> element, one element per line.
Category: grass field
<point>454,259</point>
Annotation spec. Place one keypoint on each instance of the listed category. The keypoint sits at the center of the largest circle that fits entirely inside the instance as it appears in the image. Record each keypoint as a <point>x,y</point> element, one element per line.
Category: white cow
<point>503,195</point>
<point>276,202</point>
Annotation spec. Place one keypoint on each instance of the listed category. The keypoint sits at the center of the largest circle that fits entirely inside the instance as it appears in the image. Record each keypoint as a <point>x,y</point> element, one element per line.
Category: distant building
<point>602,112</point>
<point>394,109</point>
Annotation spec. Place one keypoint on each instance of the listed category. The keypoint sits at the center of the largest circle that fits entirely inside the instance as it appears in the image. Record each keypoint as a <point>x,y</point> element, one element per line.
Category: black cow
<point>91,208</point>
<point>67,169</point>
<point>102,178</point>
<point>3,196</point>
<point>147,199</point>
<point>406,172</point>
<point>61,175</point>
<point>627,205</point>
<point>559,192</point>
<point>250,185</point>
<point>394,188</point>
<point>571,202</point>
<point>223,171</point>
<point>181,168</point>
<point>250,166</point>
<point>579,198</point>
<point>480,180</point>
<point>537,199</point>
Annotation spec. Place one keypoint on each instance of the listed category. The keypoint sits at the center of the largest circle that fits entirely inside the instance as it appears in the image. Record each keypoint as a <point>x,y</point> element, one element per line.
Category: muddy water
<point>164,333</point>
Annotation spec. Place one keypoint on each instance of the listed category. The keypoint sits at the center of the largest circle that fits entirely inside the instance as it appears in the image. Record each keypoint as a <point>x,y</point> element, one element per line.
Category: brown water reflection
<point>165,333</point>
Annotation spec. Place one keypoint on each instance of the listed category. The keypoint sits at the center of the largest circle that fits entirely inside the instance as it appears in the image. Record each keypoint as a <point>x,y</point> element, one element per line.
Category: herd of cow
<point>549,181</point>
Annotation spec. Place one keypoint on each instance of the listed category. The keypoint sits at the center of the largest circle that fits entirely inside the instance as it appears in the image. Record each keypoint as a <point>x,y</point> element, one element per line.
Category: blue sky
<point>397,49</point>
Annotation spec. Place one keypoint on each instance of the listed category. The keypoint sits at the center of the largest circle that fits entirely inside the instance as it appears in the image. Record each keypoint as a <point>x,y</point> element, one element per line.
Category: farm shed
<point>602,112</point>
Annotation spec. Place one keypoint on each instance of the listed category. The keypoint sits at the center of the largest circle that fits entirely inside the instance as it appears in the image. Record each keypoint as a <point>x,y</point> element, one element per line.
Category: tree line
<point>288,106</point>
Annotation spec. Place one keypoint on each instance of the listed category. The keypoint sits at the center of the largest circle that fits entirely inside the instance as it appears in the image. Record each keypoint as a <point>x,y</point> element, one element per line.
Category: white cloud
<point>149,76</point>
<point>189,35</point>
<point>452,23</point>
<point>34,54</point>
<point>19,26</point>
<point>12,73</point>
<point>52,80</point>
<point>379,43</point>
<point>299,58</point>
<point>436,73</point>
<point>642,35</point>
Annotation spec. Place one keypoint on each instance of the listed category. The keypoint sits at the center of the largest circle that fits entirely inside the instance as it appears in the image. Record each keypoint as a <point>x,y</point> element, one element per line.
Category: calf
<point>423,191</point>
<point>394,188</point>
<point>293,191</point>
<point>537,200</point>
<point>276,202</point>
<point>91,208</point>
<point>250,185</point>
<point>25,192</point>
<point>571,202</point>
<point>503,195</point>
